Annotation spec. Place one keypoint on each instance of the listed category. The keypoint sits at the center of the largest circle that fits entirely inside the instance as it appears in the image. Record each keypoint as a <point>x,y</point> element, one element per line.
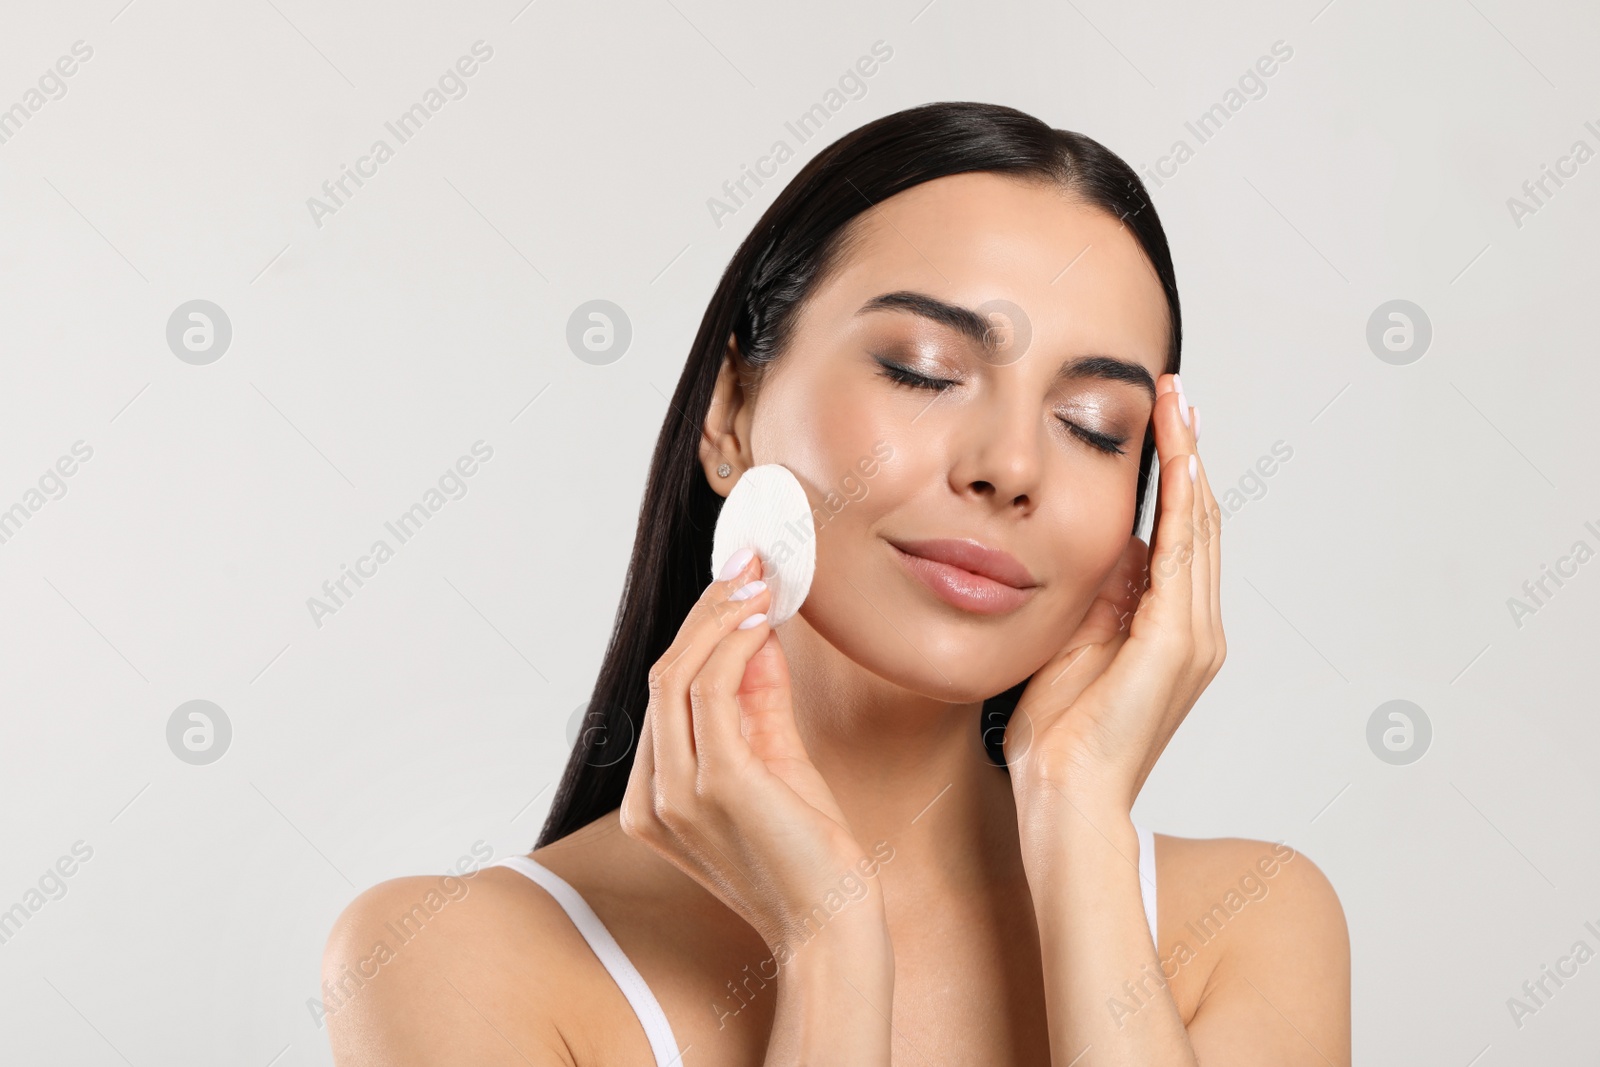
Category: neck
<point>907,769</point>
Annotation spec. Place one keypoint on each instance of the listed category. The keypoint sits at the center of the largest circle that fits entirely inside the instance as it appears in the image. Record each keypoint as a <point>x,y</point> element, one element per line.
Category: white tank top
<point>632,984</point>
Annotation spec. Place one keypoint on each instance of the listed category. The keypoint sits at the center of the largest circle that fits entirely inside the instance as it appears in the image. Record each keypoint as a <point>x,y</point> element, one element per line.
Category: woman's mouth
<point>943,566</point>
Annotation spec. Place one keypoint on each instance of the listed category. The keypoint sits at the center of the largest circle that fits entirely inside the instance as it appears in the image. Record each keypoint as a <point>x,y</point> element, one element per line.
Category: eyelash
<point>906,376</point>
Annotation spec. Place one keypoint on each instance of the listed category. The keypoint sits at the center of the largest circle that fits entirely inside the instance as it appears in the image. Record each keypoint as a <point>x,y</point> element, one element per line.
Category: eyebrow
<point>972,325</point>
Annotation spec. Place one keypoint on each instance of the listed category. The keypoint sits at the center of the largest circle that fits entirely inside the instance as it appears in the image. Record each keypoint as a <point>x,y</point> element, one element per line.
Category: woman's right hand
<point>723,787</point>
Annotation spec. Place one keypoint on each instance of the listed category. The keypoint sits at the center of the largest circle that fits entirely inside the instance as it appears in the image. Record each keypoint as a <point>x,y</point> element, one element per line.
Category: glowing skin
<point>1005,912</point>
<point>988,458</point>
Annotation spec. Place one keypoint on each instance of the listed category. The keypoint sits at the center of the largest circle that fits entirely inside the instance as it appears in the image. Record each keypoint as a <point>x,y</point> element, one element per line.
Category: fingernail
<point>745,592</point>
<point>1197,422</point>
<point>1194,466</point>
<point>755,620</point>
<point>736,563</point>
<point>1183,407</point>
<point>1177,384</point>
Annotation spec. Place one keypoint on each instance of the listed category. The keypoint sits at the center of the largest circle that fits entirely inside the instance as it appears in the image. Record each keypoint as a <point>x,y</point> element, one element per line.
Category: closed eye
<point>902,375</point>
<point>906,376</point>
<point>1100,441</point>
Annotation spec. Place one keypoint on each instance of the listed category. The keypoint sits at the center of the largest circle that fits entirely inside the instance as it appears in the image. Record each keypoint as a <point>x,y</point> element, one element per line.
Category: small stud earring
<point>724,470</point>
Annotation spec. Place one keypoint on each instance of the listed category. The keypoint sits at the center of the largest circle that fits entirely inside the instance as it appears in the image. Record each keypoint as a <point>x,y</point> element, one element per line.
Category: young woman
<point>897,829</point>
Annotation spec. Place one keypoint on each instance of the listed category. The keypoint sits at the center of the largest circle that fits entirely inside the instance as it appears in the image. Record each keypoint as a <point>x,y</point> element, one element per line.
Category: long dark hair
<point>793,245</point>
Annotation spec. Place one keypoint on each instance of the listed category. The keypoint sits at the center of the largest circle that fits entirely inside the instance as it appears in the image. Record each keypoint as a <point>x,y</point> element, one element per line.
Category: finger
<point>1129,575</point>
<point>714,691</point>
<point>1215,547</point>
<point>1206,524</point>
<point>766,701</point>
<point>1068,676</point>
<point>1117,598</point>
<point>713,615</point>
<point>1210,555</point>
<point>1206,588</point>
<point>1208,561</point>
<point>1053,692</point>
<point>1170,599</point>
<point>1201,525</point>
<point>638,797</point>
<point>644,754</point>
<point>1216,562</point>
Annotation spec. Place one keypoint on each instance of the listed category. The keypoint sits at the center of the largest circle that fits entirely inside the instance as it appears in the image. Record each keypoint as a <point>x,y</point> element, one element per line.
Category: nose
<point>1001,456</point>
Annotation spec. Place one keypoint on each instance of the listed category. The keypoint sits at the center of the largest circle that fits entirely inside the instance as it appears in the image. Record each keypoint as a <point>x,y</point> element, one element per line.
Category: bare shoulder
<point>1255,870</point>
<point>446,969</point>
<point>1258,889</point>
<point>1261,931</point>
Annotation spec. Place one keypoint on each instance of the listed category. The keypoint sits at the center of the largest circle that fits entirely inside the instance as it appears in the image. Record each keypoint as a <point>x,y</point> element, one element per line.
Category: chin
<point>953,667</point>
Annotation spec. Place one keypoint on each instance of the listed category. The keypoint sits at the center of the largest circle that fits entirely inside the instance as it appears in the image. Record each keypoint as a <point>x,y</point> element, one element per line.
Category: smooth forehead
<point>1077,272</point>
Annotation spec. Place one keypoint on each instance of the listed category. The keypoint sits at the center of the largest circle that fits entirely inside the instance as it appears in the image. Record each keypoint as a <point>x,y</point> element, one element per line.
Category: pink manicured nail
<point>745,592</point>
<point>755,620</point>
<point>735,563</point>
<point>1197,422</point>
<point>1194,466</point>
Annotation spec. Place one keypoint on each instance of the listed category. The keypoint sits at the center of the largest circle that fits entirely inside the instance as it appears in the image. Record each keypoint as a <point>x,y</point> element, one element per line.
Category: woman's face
<point>1050,327</point>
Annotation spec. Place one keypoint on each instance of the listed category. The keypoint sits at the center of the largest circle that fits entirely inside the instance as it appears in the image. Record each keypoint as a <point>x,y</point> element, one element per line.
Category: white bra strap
<point>616,962</point>
<point>1147,879</point>
<point>656,1028</point>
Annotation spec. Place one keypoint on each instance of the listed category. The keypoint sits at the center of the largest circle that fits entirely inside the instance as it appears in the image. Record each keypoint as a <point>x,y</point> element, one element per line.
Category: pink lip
<point>968,575</point>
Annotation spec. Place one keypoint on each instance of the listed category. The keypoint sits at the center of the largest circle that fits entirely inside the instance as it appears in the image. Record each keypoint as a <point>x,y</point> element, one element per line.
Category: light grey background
<point>429,312</point>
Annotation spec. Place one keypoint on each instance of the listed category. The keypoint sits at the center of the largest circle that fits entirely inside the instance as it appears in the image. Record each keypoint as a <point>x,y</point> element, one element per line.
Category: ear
<point>725,435</point>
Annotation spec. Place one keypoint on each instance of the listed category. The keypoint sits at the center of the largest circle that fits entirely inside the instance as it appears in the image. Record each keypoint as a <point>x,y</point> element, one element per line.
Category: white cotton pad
<point>767,510</point>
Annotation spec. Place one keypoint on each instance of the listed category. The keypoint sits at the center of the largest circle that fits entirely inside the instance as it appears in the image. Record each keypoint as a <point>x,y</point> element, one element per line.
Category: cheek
<point>842,442</point>
<point>845,452</point>
<point>804,419</point>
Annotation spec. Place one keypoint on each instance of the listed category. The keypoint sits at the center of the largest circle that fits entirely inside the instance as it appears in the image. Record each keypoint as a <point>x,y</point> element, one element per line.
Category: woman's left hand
<point>1093,720</point>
